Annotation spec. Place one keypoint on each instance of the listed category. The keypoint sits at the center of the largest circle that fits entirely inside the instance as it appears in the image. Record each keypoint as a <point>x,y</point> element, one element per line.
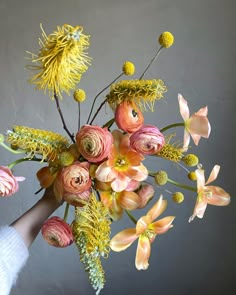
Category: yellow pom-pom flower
<point>61,60</point>
<point>128,68</point>
<point>66,158</point>
<point>161,178</point>
<point>190,160</point>
<point>166,39</point>
<point>178,197</point>
<point>79,95</point>
<point>192,176</point>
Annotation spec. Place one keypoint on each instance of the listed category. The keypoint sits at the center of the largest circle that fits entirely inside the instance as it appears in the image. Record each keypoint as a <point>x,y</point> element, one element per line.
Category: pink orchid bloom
<point>196,125</point>
<point>146,231</point>
<point>123,164</point>
<point>207,194</point>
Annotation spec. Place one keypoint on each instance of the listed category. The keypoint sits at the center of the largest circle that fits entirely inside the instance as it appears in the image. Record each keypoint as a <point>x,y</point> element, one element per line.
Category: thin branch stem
<point>11,150</point>
<point>172,126</point>
<point>151,62</point>
<point>79,116</point>
<point>131,216</point>
<point>98,110</point>
<point>62,118</point>
<point>101,93</point>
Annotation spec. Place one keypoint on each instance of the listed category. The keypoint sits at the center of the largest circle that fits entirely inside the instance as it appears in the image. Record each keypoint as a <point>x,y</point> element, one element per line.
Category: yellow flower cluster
<point>37,141</point>
<point>91,230</point>
<point>143,92</point>
<point>61,60</point>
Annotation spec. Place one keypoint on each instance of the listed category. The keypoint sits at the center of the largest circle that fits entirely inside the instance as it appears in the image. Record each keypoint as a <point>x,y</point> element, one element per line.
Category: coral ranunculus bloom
<point>208,194</point>
<point>57,232</point>
<point>123,164</point>
<point>196,125</point>
<point>146,231</point>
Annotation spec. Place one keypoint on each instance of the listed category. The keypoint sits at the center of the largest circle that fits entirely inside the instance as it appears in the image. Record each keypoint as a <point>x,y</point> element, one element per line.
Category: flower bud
<point>161,177</point>
<point>178,197</point>
<point>66,158</point>
<point>190,160</point>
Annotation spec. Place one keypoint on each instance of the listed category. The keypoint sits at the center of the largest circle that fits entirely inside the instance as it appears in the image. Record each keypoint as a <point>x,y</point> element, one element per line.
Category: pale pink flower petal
<point>123,239</point>
<point>104,173</point>
<point>183,107</point>
<point>133,185</point>
<point>199,209</point>
<point>146,193</point>
<point>142,173</point>
<point>214,173</point>
<point>202,112</point>
<point>200,179</point>
<point>158,208</point>
<point>120,183</point>
<point>8,182</point>
<point>218,196</point>
<point>198,125</point>
<point>163,225</point>
<point>186,140</point>
<point>143,253</point>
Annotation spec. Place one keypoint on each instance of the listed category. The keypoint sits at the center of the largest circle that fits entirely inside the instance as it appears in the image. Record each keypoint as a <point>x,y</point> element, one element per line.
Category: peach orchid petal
<point>143,253</point>
<point>123,239</point>
<point>120,183</point>
<point>183,107</point>
<point>199,209</point>
<point>186,140</point>
<point>214,173</point>
<point>133,185</point>
<point>202,112</point>
<point>115,211</point>
<point>200,179</point>
<point>129,200</point>
<point>198,125</point>
<point>163,225</point>
<point>219,197</point>
<point>142,224</point>
<point>158,208</point>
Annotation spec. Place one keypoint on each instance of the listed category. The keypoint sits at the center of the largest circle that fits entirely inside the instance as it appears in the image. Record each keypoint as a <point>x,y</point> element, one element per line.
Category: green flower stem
<point>66,211</point>
<point>190,188</point>
<point>10,166</point>
<point>172,126</point>
<point>11,150</point>
<point>151,62</point>
<point>101,93</point>
<point>131,217</point>
<point>109,123</point>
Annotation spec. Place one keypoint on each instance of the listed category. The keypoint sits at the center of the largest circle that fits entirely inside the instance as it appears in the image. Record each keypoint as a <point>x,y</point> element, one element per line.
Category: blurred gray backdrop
<point>191,259</point>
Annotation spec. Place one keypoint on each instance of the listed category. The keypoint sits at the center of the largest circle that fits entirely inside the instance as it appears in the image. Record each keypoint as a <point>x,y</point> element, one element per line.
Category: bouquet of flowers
<point>99,170</point>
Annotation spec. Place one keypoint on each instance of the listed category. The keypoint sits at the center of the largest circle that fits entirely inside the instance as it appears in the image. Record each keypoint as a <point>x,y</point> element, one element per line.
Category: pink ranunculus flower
<point>73,179</point>
<point>56,232</point>
<point>8,182</point>
<point>196,125</point>
<point>94,143</point>
<point>146,193</point>
<point>148,140</point>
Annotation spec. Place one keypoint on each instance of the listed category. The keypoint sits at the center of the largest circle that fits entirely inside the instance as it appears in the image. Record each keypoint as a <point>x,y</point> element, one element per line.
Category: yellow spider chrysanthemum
<point>61,60</point>
<point>142,92</point>
<point>128,68</point>
<point>166,39</point>
<point>35,141</point>
<point>91,230</point>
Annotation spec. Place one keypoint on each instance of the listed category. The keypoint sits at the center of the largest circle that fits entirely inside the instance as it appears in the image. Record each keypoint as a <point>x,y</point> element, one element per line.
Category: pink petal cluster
<point>72,180</point>
<point>94,143</point>
<point>148,140</point>
<point>208,194</point>
<point>196,125</point>
<point>56,232</point>
<point>8,182</point>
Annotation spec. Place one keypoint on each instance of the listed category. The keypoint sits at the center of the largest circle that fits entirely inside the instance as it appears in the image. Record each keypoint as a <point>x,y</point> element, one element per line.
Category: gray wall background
<point>192,259</point>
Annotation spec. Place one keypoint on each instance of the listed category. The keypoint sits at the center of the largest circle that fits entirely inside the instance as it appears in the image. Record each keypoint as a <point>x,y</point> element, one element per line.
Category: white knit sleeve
<point>13,256</point>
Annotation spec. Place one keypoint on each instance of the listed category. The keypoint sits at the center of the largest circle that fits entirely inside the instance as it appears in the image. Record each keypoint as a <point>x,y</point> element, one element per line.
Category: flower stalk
<point>172,126</point>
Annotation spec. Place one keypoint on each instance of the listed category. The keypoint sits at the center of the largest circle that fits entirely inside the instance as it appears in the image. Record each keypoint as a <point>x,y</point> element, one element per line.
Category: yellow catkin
<point>143,92</point>
<point>61,60</point>
<point>91,230</point>
<point>35,141</point>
